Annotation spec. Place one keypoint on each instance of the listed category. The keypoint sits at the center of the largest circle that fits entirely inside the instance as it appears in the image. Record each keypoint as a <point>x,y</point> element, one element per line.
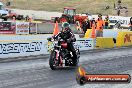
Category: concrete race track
<point>37,74</point>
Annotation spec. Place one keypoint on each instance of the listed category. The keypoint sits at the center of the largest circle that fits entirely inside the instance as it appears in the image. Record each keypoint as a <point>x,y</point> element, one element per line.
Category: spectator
<point>78,26</point>
<point>8,3</point>
<point>114,6</point>
<point>118,12</point>
<point>86,25</point>
<point>14,19</point>
<point>99,26</point>
<point>130,25</point>
<point>27,18</point>
<point>92,21</point>
<point>126,12</point>
<point>106,22</point>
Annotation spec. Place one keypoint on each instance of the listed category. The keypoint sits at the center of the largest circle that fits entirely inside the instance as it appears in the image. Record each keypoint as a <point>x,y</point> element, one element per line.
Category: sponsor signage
<point>7,27</point>
<point>23,45</point>
<point>82,77</point>
<point>20,47</point>
<point>82,44</point>
<point>22,27</point>
<point>127,38</point>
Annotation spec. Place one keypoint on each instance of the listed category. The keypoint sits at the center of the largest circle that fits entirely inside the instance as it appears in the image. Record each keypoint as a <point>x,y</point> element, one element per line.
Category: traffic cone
<point>93,30</point>
<point>56,29</point>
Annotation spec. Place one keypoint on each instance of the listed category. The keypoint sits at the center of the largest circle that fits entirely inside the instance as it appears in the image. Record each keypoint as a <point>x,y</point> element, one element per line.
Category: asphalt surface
<point>37,74</point>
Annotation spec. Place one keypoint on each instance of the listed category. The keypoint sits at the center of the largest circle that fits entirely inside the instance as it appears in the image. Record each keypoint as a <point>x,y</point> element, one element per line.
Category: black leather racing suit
<point>69,37</point>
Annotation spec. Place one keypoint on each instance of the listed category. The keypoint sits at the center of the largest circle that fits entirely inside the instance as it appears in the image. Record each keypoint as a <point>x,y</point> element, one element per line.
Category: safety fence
<point>18,28</point>
<point>30,28</point>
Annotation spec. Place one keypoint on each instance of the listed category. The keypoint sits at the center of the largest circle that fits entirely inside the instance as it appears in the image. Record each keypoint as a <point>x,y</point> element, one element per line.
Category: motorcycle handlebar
<point>52,39</point>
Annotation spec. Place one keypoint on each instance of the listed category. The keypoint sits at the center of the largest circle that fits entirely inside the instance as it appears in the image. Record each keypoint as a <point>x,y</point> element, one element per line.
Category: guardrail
<point>31,28</point>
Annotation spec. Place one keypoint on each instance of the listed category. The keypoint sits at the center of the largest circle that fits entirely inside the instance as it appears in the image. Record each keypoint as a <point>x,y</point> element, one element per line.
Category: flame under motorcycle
<point>60,56</point>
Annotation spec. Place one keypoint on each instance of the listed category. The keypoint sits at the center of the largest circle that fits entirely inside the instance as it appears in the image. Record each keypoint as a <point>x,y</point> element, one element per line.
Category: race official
<point>99,26</point>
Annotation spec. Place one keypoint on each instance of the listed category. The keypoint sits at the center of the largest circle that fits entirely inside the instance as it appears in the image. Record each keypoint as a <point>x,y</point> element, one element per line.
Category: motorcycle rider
<point>67,35</point>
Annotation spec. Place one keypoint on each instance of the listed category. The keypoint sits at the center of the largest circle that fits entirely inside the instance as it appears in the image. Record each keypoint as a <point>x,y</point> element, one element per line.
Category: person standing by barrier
<point>130,25</point>
<point>93,29</point>
<point>106,22</point>
<point>14,19</point>
<point>78,26</point>
<point>118,12</point>
<point>27,18</point>
<point>91,22</point>
<point>99,26</point>
<point>85,25</point>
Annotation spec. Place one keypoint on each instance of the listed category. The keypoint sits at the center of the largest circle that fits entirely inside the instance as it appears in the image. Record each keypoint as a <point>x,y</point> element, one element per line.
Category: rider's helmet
<point>65,26</point>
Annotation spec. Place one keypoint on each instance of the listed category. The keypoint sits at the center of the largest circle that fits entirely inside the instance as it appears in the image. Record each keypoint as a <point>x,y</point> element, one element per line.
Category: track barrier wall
<point>88,33</point>
<point>124,39</point>
<point>102,42</point>
<point>106,33</point>
<point>28,45</point>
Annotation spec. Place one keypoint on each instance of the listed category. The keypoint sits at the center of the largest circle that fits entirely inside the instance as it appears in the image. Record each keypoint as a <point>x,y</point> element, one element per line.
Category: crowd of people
<point>99,25</point>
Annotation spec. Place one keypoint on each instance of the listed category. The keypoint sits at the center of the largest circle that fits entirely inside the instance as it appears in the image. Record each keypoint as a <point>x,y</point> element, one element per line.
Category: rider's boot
<point>74,59</point>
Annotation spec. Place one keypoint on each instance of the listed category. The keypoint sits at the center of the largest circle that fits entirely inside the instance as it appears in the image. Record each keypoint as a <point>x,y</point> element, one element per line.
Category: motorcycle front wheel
<point>52,60</point>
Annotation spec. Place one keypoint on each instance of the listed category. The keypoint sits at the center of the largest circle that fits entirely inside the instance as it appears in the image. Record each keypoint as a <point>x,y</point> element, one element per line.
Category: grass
<point>89,6</point>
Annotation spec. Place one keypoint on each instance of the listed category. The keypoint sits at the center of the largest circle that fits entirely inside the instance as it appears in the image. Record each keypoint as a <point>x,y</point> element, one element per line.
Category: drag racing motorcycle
<point>60,56</point>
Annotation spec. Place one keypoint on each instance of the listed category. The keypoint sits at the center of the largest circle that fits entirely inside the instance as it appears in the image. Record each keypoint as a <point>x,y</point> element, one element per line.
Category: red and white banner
<point>22,27</point>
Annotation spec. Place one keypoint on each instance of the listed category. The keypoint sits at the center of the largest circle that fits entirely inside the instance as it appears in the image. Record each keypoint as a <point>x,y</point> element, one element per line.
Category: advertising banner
<point>32,28</point>
<point>7,27</point>
<point>22,45</point>
<point>124,38</point>
<point>22,27</point>
<point>85,44</point>
<point>82,44</point>
<point>26,45</point>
